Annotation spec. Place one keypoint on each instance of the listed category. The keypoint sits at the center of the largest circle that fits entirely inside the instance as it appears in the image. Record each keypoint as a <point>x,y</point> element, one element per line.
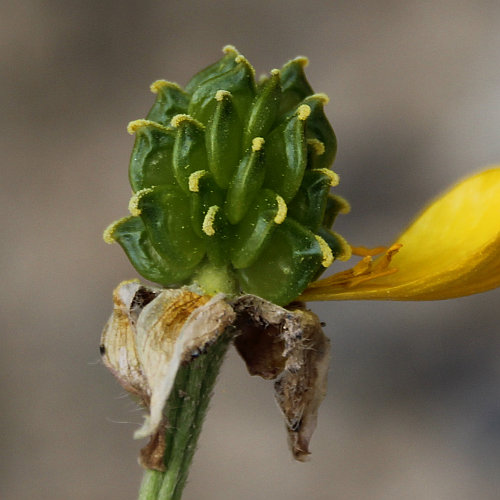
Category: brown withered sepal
<point>152,331</point>
<point>288,345</point>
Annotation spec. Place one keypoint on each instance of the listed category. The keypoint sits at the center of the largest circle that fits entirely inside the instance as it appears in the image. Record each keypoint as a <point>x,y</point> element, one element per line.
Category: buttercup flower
<point>231,214</point>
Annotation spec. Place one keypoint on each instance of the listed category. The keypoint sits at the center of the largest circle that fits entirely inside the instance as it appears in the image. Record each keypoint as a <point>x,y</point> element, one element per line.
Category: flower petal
<point>452,249</point>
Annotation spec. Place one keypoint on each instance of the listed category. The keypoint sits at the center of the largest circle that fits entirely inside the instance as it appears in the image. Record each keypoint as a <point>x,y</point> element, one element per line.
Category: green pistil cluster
<point>231,182</point>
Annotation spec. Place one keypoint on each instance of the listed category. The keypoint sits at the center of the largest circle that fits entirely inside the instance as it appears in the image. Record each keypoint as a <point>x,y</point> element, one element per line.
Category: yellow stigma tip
<point>107,236</point>
<point>282,210</point>
<point>159,85</point>
<point>345,206</point>
<point>135,125</point>
<point>326,251</point>
<point>275,72</point>
<point>346,253</point>
<point>317,145</point>
<point>220,94</point>
<point>230,49</point>
<point>194,180</point>
<point>302,60</point>
<point>208,221</point>
<point>240,59</point>
<point>133,204</point>
<point>257,143</point>
<point>156,86</point>
<point>303,112</point>
<point>322,97</point>
<point>334,177</point>
<point>178,119</point>
<point>109,233</point>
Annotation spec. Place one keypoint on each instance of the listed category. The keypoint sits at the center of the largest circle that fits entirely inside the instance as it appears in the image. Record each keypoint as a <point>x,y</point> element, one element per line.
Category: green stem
<point>150,486</point>
<point>185,411</point>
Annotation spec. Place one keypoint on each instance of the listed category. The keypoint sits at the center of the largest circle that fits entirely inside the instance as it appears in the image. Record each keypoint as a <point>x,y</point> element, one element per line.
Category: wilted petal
<point>451,250</point>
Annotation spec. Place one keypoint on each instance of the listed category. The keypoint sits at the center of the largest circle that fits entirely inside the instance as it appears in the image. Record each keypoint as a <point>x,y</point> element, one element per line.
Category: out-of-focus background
<point>413,410</point>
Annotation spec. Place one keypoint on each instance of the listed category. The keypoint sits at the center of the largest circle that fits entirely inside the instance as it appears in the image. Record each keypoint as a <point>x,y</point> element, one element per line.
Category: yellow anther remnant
<point>326,251</point>
<point>194,179</point>
<point>133,204</point>
<point>303,112</point>
<point>178,119</point>
<point>257,143</point>
<point>159,85</point>
<point>220,94</point>
<point>317,145</point>
<point>208,221</point>
<point>275,71</point>
<point>334,177</point>
<point>108,234</point>
<point>282,210</point>
<point>365,270</point>
<point>364,251</point>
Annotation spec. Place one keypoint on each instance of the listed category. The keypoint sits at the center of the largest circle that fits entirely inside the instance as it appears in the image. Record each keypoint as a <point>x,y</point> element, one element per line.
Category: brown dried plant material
<point>301,387</point>
<point>152,455</point>
<point>261,347</point>
<point>177,323</point>
<point>287,344</point>
<point>118,340</point>
<point>151,332</point>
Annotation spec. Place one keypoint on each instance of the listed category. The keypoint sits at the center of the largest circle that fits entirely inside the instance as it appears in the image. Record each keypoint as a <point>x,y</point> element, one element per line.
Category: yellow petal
<point>452,249</point>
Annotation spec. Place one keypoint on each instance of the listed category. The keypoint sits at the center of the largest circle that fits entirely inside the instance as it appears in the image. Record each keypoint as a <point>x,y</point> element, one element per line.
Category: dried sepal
<point>151,332</point>
<point>301,388</point>
<point>152,455</point>
<point>287,345</point>
<point>172,327</point>
<point>118,341</point>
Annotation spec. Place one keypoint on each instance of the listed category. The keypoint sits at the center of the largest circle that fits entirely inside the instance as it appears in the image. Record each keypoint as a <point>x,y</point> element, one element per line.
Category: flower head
<point>231,182</point>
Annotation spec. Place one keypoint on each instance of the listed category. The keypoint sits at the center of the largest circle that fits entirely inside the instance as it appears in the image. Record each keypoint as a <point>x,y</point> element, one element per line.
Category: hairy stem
<point>185,411</point>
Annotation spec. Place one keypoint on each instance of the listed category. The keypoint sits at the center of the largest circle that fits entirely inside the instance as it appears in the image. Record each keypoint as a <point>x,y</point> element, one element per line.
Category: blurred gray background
<point>413,410</point>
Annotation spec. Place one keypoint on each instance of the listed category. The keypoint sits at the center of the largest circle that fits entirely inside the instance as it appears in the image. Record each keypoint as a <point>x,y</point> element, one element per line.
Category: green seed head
<point>231,182</point>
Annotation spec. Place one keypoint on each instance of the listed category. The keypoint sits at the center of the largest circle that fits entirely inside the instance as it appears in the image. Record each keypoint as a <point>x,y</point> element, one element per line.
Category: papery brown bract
<point>152,331</point>
<point>288,345</point>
